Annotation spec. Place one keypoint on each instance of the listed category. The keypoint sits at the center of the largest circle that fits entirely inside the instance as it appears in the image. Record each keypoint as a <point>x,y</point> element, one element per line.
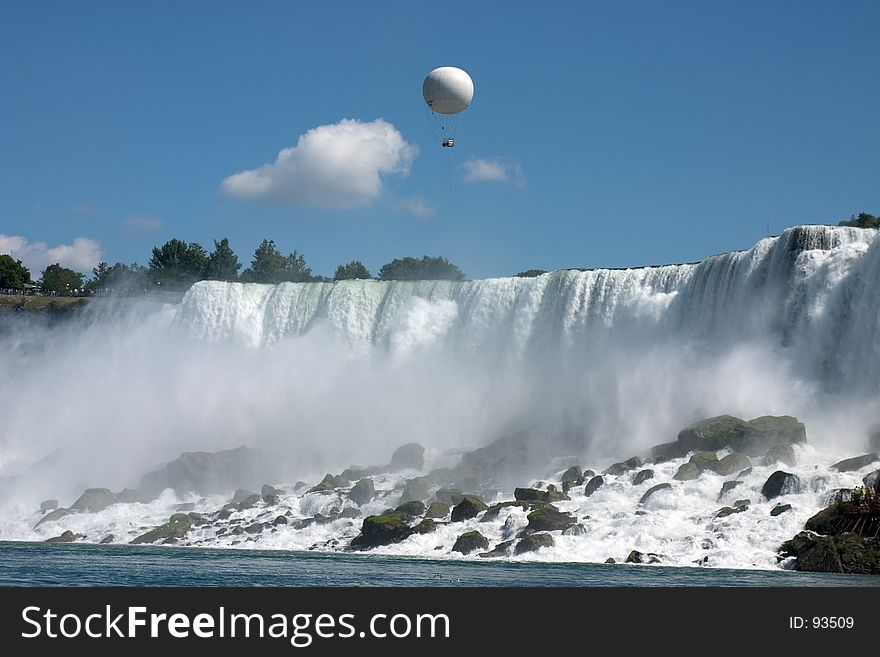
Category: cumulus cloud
<point>495,170</point>
<point>416,206</point>
<point>82,255</point>
<point>332,166</point>
<point>143,223</point>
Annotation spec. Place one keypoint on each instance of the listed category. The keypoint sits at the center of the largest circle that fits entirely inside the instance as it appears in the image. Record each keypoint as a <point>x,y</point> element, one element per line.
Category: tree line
<point>176,265</point>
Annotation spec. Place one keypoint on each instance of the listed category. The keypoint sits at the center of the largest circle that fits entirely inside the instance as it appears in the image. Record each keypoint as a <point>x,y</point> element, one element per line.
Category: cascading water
<point>628,357</point>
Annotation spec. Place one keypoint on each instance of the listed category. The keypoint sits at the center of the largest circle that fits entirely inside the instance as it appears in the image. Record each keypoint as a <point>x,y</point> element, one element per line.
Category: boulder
<point>66,537</point>
<point>687,472</point>
<point>763,433</point>
<point>52,516</point>
<point>449,496</point>
<point>412,509</point>
<point>533,542</point>
<point>549,518</point>
<point>726,511</point>
<point>711,434</point>
<point>470,542</point>
<point>107,539</point>
<point>856,463</point>
<point>742,504</point>
<point>350,512</point>
<point>468,508</point>
<point>268,491</point>
<point>624,466</point>
<point>573,474</point>
<point>731,463</point>
<point>437,510</point>
<point>553,495</point>
<point>185,507</point>
<point>426,526</point>
<point>493,511</point>
<point>575,530</point>
<point>745,473</point>
<point>249,502</point>
<point>168,530</point>
<point>781,454</point>
<point>593,485</point>
<point>280,520</point>
<point>407,457</point>
<point>642,476</point>
<point>240,495</point>
<point>704,460</point>
<point>381,530</point>
<point>828,519</point>
<point>610,560</point>
<point>638,557</point>
<point>780,483</point>
<point>528,494</point>
<point>652,490</point>
<point>870,480</point>
<point>93,500</point>
<point>48,505</point>
<point>500,550</point>
<point>415,489</point>
<point>363,492</point>
<point>329,483</point>
<point>254,528</point>
<point>129,496</point>
<point>845,553</point>
<point>667,452</point>
<point>179,517</point>
<point>779,509</point>
<point>728,486</point>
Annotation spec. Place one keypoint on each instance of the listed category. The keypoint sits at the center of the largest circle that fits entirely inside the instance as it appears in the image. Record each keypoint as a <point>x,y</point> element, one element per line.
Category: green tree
<point>531,273</point>
<point>118,279</point>
<point>864,220</point>
<point>223,264</point>
<point>176,265</point>
<point>60,280</point>
<point>13,274</point>
<point>353,270</point>
<point>270,266</point>
<point>426,269</point>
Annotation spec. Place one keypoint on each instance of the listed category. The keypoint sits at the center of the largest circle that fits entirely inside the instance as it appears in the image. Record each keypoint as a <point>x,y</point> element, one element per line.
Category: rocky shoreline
<point>471,510</point>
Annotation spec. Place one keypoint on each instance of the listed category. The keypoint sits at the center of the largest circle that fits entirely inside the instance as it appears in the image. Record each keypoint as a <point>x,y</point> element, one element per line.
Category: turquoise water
<point>41,564</point>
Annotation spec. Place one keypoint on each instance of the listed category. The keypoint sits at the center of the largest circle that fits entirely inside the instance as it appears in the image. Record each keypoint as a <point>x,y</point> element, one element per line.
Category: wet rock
<point>249,502</point>
<point>381,530</point>
<point>179,517</point>
<point>535,495</point>
<point>745,473</point>
<point>437,510</point>
<point>575,530</point>
<point>711,434</point>
<point>781,454</point>
<point>844,553</point>
<point>855,463</point>
<point>270,491</point>
<point>624,466</point>
<point>407,457</point>
<point>93,500</point>
<point>572,475</point>
<point>449,496</point>
<point>653,489</point>
<point>426,526</point>
<point>415,489</point>
<point>667,452</point>
<point>742,504</point>
<point>731,463</point>
<point>52,516</point>
<point>687,472</point>
<point>363,492</point>
<point>329,484</point>
<point>781,483</point>
<point>66,537</point>
<point>763,433</point>
<point>610,560</point>
<point>828,519</point>
<point>254,528</point>
<point>642,476</point>
<point>704,460</point>
<point>549,519</point>
<point>500,550</point>
<point>163,532</point>
<point>350,512</point>
<point>186,506</point>
<point>593,485</point>
<point>870,480</point>
<point>240,495</point>
<point>470,542</point>
<point>728,486</point>
<point>412,509</point>
<point>494,511</point>
<point>726,511</point>
<point>468,508</point>
<point>129,496</point>
<point>48,505</point>
<point>638,557</point>
<point>554,495</point>
<point>280,520</point>
<point>779,509</point>
<point>109,538</point>
<point>534,542</point>
<point>838,495</point>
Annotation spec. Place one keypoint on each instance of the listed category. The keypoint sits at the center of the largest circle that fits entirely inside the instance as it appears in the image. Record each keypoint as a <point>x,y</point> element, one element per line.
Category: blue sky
<point>608,134</point>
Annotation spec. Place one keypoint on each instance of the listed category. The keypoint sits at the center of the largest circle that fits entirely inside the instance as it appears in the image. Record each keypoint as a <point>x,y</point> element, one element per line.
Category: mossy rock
<point>470,542</point>
<point>500,550</point>
<point>412,509</point>
<point>468,508</point>
<point>163,532</point>
<point>828,519</point>
<point>761,434</point>
<point>426,526</point>
<point>711,434</point>
<point>437,510</point>
<point>549,519</point>
<point>533,543</point>
<point>704,460</point>
<point>382,530</point>
<point>845,553</point>
<point>494,511</point>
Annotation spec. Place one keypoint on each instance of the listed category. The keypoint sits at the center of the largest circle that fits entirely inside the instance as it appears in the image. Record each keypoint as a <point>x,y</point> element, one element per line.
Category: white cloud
<point>332,166</point>
<point>143,223</point>
<point>496,170</point>
<point>416,206</point>
<point>82,255</point>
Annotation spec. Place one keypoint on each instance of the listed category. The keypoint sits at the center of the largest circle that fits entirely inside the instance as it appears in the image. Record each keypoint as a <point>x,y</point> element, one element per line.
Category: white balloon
<point>448,90</point>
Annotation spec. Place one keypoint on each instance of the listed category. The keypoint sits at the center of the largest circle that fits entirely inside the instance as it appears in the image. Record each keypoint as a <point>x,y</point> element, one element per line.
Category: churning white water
<point>341,373</point>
